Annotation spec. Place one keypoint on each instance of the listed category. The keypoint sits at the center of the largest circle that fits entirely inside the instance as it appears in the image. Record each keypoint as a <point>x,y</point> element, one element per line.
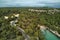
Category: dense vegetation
<point>28,21</point>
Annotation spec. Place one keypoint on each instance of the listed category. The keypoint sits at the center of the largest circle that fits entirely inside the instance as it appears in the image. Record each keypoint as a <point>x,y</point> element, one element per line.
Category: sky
<point>29,3</point>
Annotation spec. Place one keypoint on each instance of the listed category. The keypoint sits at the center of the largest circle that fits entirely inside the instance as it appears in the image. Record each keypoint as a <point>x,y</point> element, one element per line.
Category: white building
<point>16,15</point>
<point>6,17</point>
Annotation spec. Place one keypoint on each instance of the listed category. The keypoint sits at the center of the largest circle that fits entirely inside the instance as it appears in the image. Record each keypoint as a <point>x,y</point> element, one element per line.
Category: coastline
<point>54,32</point>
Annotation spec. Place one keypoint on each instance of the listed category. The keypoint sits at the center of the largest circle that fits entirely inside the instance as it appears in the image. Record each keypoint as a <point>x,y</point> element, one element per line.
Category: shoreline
<point>54,32</point>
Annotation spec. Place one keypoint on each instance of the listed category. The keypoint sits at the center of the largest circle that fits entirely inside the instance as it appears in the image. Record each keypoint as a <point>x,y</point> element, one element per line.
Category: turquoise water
<point>50,36</point>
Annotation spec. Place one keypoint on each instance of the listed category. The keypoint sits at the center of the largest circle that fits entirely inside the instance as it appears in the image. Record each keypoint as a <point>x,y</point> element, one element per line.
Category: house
<point>16,15</point>
<point>6,17</point>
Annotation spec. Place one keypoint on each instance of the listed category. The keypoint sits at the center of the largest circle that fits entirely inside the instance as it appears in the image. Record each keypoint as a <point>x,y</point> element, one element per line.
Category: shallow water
<point>49,36</point>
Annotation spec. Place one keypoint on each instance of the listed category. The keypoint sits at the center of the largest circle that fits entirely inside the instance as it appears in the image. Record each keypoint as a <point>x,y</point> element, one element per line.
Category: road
<point>27,37</point>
